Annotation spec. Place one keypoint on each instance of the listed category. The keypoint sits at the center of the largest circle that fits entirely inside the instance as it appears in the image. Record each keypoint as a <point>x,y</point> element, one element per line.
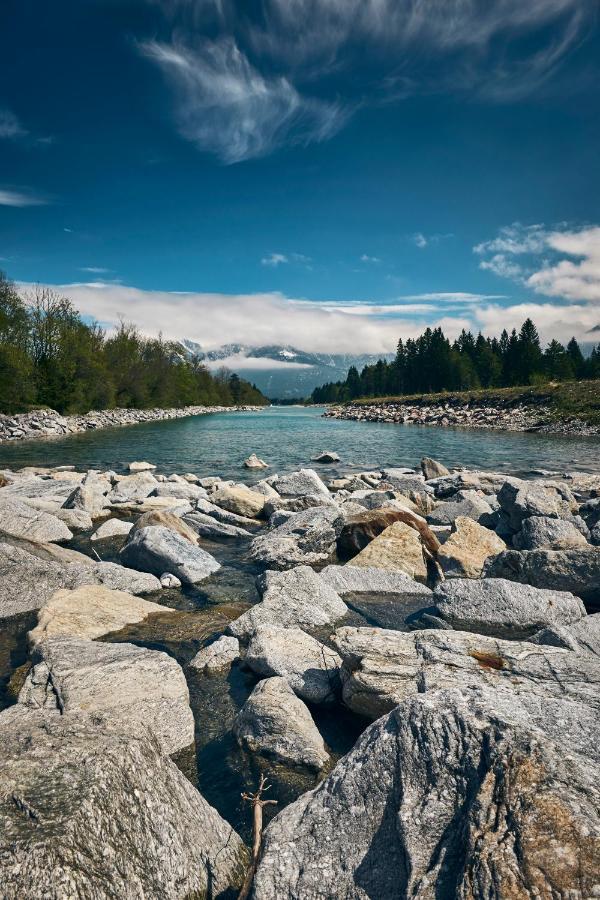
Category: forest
<point>431,363</point>
<point>50,357</point>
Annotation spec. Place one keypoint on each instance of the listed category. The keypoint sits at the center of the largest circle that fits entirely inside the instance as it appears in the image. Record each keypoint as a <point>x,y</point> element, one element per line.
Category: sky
<point>326,174</point>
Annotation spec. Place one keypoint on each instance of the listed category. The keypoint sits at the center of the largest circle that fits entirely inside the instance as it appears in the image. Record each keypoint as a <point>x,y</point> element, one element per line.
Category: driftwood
<point>361,529</point>
<point>257,805</point>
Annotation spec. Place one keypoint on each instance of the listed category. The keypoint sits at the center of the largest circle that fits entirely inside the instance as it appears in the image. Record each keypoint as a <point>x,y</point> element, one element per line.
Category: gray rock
<point>326,457</point>
<point>125,684</point>
<point>223,515</point>
<point>157,549</point>
<point>306,538</point>
<point>181,489</point>
<point>21,520</point>
<point>448,796</point>
<point>75,519</point>
<point>405,484</point>
<point>169,581</point>
<point>133,487</point>
<point>520,500</point>
<point>253,462</point>
<point>279,517</point>
<point>298,597</point>
<point>381,667</point>
<point>467,503</point>
<point>576,570</point>
<point>296,504</point>
<point>487,482</point>
<point>33,488</point>
<point>504,609</point>
<point>111,528</point>
<point>552,534</point>
<point>141,466</point>
<point>90,496</point>
<point>92,812</point>
<point>431,468</point>
<point>310,668</point>
<point>274,722</point>
<point>582,636</point>
<point>296,484</point>
<point>218,656</point>
<point>370,580</point>
<point>207,526</point>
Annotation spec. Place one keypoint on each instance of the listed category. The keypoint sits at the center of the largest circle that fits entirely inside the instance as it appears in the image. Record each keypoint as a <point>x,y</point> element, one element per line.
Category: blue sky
<point>325,173</point>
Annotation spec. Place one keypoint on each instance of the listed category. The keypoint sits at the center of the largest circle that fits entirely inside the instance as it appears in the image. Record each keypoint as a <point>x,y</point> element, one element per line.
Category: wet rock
<point>468,547</point>
<point>310,668</point>
<point>447,796</point>
<point>370,580</point>
<point>111,528</point>
<point>296,598</point>
<point>181,490</point>
<point>500,608</point>
<point>467,503</point>
<point>217,656</point>
<point>308,537</point>
<point>157,549</point>
<point>122,683</point>
<point>543,532</point>
<point>582,636</point>
<point>296,484</point>
<point>22,520</point>
<point>326,457</point>
<point>520,500</point>
<point>382,667</point>
<point>239,499</point>
<point>274,722</point>
<point>89,612</point>
<point>576,570</point>
<point>141,467</point>
<point>398,547</point>
<point>253,462</point>
<point>361,529</point>
<point>67,780</point>
<point>206,526</point>
<point>431,468</point>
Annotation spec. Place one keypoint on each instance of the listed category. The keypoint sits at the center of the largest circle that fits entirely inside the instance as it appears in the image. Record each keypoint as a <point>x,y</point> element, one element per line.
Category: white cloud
<point>94,270</point>
<point>370,259</point>
<point>420,240</point>
<point>454,297</point>
<point>21,198</point>
<point>227,107</point>
<point>10,127</point>
<point>240,361</point>
<point>274,260</point>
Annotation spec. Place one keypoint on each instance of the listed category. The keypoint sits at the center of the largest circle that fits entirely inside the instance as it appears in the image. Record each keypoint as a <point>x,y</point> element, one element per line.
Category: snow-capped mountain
<point>281,372</point>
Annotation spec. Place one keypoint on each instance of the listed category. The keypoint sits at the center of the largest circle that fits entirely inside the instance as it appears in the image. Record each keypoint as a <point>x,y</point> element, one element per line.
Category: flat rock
<point>448,796</point>
<point>308,537</point>
<point>310,668</point>
<point>296,484</point>
<point>125,684</point>
<point>181,490</point>
<point>398,547</point>
<point>157,549</point>
<point>505,609</point>
<point>223,515</point>
<point>469,546</point>
<point>92,812</point>
<point>467,503</point>
<point>218,656</point>
<point>371,580</point>
<point>296,598</point>
<point>141,466</point>
<point>75,519</point>
<point>274,722</point>
<point>542,532</point>
<point>22,520</point>
<point>240,500</point>
<point>576,570</point>
<point>110,529</point>
<point>404,483</point>
<point>133,487</point>
<point>206,526</point>
<point>582,636</point>
<point>90,612</point>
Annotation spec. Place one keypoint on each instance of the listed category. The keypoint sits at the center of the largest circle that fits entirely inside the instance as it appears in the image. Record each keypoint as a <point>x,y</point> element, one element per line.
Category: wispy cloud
<point>420,240</point>
<point>370,259</point>
<point>274,260</point>
<point>94,270</point>
<point>21,198</point>
<point>227,107</point>
<point>10,127</point>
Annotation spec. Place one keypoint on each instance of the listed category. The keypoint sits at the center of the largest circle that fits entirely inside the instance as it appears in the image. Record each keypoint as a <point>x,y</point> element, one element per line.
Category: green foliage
<point>431,364</point>
<point>49,356</point>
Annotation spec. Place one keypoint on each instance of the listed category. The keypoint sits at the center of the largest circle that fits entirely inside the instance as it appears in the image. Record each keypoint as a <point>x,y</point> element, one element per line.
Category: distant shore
<point>47,422</point>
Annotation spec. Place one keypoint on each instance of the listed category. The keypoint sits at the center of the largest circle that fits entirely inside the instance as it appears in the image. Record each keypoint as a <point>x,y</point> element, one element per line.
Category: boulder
<point>543,532</point>
<point>157,549</point>
<point>382,667</point>
<point>310,668</point>
<point>182,490</point>
<point>141,467</point>
<point>133,487</point>
<point>223,515</point>
<point>431,468</point>
<point>90,612</point>
<point>296,504</point>
<point>253,462</point>
<point>296,484</point>
<point>398,547</point>
<point>360,530</point>
<point>326,457</point>
<point>239,499</point>
<point>90,811</point>
<point>166,519</point>
<point>468,547</point>
<point>206,526</point>
<point>298,597</point>
<point>110,529</point>
<point>90,496</point>
<point>370,580</point>
<point>582,636</point>
<point>576,570</point>
<point>521,499</point>
<point>448,796</point>
<point>75,519</point>
<point>274,722</point>
<point>308,537</point>
<point>218,656</point>
<point>21,520</point>
<point>464,503</point>
<point>504,609</point>
<point>122,683</point>
<point>405,483</point>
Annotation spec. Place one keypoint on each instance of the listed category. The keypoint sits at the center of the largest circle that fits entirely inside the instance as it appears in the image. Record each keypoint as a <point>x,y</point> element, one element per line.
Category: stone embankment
<point>451,617</point>
<point>470,414</point>
<point>48,422</point>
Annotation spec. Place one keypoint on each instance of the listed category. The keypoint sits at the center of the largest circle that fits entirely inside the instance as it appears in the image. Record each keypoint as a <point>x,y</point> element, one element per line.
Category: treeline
<point>50,357</point>
<point>431,363</point>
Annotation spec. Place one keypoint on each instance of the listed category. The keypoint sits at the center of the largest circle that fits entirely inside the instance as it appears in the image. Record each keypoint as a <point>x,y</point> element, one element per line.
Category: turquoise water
<point>287,438</point>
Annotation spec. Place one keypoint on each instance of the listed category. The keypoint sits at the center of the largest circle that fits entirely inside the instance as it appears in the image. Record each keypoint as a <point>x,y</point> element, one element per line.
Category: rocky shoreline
<point>452,616</point>
<point>48,422</point>
<point>509,416</point>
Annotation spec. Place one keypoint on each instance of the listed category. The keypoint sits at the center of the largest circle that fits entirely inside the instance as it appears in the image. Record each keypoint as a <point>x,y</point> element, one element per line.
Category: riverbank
<point>568,409</point>
<point>48,422</point>
<point>168,639</point>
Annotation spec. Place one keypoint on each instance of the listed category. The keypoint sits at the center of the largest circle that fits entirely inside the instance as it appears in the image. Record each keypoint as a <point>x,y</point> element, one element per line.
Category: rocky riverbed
<point>48,422</point>
<point>508,416</point>
<point>411,657</point>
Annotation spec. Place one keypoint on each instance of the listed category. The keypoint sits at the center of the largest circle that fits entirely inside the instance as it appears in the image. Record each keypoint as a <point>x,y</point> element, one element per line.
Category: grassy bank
<point>575,399</point>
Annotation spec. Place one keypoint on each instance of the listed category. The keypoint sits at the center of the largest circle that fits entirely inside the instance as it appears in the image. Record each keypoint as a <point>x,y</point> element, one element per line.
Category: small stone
<point>253,462</point>
<point>141,466</point>
<point>167,580</point>
<point>326,457</point>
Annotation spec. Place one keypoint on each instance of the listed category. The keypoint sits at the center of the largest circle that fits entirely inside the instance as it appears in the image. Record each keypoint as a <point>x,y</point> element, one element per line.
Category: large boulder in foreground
<point>505,609</point>
<point>90,811</point>
<point>307,538</point>
<point>157,549</point>
<point>274,722</point>
<point>397,547</point>
<point>119,683</point>
<point>21,520</point>
<point>576,570</point>
<point>448,796</point>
